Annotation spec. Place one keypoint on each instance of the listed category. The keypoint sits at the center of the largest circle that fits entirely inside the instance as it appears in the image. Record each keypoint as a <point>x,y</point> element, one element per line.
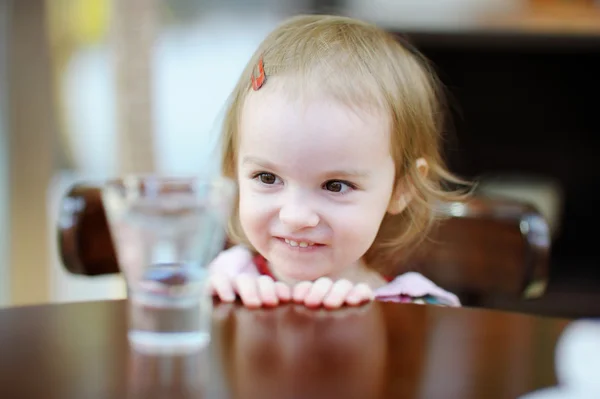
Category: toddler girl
<point>333,134</point>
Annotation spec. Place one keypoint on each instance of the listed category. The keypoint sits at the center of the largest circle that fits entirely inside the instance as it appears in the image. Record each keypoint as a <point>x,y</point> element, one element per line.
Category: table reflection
<point>375,351</point>
<point>292,351</point>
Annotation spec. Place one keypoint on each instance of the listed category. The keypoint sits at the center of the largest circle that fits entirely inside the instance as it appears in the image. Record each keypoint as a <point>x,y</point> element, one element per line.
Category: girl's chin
<point>293,276</point>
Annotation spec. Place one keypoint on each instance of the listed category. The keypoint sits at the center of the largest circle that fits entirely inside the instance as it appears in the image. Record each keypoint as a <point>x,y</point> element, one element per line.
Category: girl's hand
<point>330,294</point>
<point>254,291</point>
<point>232,274</point>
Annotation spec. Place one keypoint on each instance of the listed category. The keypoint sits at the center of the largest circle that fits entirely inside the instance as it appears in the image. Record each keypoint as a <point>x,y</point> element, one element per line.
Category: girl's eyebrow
<point>248,159</point>
<point>339,173</point>
<point>347,174</point>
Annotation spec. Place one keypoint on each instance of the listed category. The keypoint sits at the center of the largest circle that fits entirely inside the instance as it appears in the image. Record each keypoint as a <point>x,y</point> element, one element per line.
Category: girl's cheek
<point>253,206</point>
<point>260,207</point>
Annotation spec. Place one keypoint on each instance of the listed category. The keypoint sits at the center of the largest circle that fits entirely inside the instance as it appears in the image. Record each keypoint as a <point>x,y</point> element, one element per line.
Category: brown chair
<point>485,248</point>
<point>85,244</point>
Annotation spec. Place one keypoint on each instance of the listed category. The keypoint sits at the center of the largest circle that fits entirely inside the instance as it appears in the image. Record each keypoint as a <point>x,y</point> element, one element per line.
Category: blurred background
<point>91,89</point>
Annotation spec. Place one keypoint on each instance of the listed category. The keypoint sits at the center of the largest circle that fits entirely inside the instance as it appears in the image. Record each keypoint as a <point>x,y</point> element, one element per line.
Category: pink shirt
<point>409,287</point>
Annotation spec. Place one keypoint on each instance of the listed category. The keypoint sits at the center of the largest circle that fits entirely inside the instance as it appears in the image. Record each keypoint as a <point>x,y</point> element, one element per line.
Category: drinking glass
<point>165,231</point>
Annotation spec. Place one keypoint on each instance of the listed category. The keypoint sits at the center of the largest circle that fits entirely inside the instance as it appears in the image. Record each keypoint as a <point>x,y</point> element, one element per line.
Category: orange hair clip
<point>260,80</point>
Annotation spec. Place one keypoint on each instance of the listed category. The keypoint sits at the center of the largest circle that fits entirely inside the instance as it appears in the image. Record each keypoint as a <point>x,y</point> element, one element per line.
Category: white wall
<point>431,14</point>
<point>196,67</point>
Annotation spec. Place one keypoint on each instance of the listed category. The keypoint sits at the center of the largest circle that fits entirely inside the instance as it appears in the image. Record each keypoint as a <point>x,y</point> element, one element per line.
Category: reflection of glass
<point>151,376</point>
<point>165,231</point>
<point>291,351</point>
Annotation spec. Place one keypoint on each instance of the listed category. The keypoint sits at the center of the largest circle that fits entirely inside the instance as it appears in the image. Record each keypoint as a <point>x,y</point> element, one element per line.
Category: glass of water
<point>165,231</point>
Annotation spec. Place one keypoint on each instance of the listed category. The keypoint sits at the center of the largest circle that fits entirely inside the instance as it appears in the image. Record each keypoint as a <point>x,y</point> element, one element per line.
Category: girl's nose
<point>296,215</point>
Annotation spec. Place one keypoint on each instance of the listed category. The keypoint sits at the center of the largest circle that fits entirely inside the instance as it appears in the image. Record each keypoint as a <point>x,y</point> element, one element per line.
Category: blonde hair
<point>362,66</point>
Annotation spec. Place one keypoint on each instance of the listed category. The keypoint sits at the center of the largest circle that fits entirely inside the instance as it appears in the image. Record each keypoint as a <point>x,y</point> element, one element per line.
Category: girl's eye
<point>337,186</point>
<point>267,178</point>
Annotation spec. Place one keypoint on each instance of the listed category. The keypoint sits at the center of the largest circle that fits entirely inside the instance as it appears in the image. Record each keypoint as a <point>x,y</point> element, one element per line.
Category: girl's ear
<point>403,192</point>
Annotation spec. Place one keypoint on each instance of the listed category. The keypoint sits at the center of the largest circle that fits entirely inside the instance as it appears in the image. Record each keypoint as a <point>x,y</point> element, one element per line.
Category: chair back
<point>487,247</point>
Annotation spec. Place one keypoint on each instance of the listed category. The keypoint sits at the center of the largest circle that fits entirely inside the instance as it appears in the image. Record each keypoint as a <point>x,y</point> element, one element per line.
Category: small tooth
<point>303,244</point>
<point>293,243</point>
<point>287,241</point>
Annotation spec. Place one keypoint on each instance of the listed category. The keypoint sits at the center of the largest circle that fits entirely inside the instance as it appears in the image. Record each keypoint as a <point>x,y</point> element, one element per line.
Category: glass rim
<point>141,177</point>
<point>136,182</point>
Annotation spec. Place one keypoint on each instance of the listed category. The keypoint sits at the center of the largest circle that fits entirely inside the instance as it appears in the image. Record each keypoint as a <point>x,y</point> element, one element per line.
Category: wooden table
<point>378,351</point>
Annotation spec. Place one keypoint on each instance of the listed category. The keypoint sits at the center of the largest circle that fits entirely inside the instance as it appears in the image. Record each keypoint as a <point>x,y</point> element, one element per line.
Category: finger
<point>300,291</point>
<point>318,291</point>
<point>359,294</point>
<point>266,291</point>
<point>338,293</point>
<point>283,291</point>
<point>220,286</point>
<point>246,287</point>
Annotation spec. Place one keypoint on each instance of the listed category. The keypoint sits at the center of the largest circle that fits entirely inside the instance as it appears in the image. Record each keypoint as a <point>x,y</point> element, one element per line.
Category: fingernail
<point>284,298</point>
<point>254,303</point>
<point>272,304</point>
<point>298,298</point>
<point>229,298</point>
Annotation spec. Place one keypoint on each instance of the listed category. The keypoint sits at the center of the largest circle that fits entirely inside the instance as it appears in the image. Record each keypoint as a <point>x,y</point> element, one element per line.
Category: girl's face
<point>316,178</point>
